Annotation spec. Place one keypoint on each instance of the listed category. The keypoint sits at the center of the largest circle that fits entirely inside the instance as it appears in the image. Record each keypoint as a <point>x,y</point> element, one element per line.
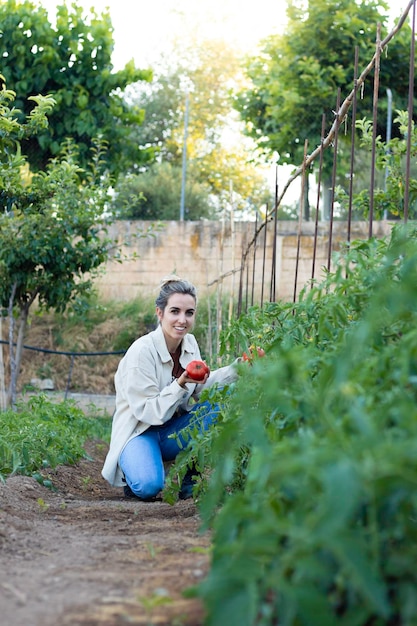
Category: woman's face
<point>177,319</point>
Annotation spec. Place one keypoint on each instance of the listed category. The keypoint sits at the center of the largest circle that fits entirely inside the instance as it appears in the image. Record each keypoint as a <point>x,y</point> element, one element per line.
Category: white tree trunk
<point>3,397</point>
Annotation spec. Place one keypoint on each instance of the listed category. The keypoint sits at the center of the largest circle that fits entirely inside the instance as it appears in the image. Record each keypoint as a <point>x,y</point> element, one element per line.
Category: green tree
<point>296,77</point>
<point>155,195</point>
<point>204,72</point>
<point>72,62</point>
<point>52,229</point>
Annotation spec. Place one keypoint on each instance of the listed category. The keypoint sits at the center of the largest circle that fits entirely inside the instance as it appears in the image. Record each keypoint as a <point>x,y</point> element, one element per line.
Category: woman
<point>155,398</point>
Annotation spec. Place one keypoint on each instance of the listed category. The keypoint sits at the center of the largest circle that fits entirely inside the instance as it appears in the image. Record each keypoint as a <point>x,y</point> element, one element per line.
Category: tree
<point>155,195</point>
<point>52,229</point>
<point>296,77</point>
<point>204,72</point>
<point>72,62</point>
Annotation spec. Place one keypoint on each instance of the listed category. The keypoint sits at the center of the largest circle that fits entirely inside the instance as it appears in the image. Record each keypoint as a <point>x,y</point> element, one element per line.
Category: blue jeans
<point>142,459</point>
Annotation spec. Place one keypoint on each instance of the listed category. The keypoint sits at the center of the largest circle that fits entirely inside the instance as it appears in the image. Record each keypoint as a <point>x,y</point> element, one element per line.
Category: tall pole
<point>184,158</point>
<point>2,378</point>
<point>388,139</point>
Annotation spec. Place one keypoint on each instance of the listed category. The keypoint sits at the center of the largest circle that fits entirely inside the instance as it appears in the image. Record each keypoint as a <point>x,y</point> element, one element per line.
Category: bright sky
<point>143,28</point>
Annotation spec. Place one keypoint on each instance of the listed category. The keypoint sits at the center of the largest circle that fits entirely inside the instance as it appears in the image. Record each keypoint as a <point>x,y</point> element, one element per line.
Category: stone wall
<point>210,253</point>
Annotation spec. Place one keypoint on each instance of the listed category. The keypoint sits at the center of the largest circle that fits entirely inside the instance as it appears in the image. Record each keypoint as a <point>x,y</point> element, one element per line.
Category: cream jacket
<point>147,395</point>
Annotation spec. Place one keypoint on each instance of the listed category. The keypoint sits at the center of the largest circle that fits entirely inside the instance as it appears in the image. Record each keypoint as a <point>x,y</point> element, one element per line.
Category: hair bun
<point>171,278</point>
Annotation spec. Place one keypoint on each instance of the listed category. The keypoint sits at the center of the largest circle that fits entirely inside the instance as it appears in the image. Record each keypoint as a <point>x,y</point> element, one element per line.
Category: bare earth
<point>83,555</point>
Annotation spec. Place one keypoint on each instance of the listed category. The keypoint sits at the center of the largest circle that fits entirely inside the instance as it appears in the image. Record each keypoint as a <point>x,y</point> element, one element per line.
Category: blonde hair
<point>174,284</point>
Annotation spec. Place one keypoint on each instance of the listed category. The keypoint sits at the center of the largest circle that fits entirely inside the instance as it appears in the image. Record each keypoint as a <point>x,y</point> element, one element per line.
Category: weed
<point>153,551</point>
<point>150,603</point>
<point>200,549</point>
<point>42,504</point>
<point>86,480</point>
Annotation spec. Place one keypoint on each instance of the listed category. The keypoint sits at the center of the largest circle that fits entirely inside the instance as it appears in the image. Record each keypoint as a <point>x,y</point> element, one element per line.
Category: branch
<point>225,275</point>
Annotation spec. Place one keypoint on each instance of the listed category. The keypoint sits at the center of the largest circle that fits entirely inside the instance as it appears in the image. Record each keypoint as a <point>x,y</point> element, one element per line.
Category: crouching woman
<point>156,398</point>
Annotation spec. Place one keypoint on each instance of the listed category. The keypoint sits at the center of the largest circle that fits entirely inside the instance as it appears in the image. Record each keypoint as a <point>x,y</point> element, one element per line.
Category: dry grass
<point>89,374</point>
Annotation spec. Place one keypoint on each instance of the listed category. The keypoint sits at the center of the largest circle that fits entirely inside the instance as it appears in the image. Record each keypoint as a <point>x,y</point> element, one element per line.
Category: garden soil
<point>83,555</point>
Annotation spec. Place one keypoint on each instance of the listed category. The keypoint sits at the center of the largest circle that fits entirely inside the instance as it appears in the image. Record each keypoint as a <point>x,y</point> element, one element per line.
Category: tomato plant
<point>317,526</point>
<point>44,435</point>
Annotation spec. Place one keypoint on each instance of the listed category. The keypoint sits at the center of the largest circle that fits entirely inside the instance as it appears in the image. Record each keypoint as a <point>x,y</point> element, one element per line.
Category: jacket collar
<point>161,346</point>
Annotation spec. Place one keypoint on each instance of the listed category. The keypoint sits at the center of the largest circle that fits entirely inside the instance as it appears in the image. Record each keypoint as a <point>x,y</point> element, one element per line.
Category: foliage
<point>155,195</point>
<point>296,77</point>
<point>50,238</point>
<point>312,496</point>
<point>44,435</point>
<point>70,61</point>
<point>205,70</point>
<point>202,74</point>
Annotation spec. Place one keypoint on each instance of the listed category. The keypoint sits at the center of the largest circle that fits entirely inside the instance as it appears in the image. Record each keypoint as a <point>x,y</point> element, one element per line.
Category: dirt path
<point>83,555</point>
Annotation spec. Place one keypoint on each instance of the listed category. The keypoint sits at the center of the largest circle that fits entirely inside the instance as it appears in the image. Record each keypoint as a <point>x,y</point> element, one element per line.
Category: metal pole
<point>334,172</point>
<point>316,221</point>
<point>300,220</point>
<point>374,128</point>
<point>254,258</point>
<point>410,116</point>
<point>352,146</point>
<point>388,139</point>
<point>184,158</point>
<point>272,293</point>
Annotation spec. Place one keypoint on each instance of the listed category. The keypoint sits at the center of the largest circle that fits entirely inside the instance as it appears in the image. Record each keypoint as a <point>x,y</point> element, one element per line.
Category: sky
<point>144,28</point>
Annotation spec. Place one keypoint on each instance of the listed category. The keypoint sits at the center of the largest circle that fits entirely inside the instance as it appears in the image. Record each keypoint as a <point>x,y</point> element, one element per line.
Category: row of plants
<point>311,496</point>
<point>44,435</point>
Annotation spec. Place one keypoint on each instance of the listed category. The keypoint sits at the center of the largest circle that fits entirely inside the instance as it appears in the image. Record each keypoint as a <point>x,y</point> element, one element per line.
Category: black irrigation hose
<point>66,353</point>
<point>71,354</point>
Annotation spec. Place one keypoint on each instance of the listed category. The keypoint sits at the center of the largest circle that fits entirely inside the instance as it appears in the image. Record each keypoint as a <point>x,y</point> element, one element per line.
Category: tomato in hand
<point>197,370</point>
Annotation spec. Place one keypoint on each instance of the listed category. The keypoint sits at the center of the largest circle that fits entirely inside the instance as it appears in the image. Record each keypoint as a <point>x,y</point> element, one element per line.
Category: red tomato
<point>249,357</point>
<point>197,370</point>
